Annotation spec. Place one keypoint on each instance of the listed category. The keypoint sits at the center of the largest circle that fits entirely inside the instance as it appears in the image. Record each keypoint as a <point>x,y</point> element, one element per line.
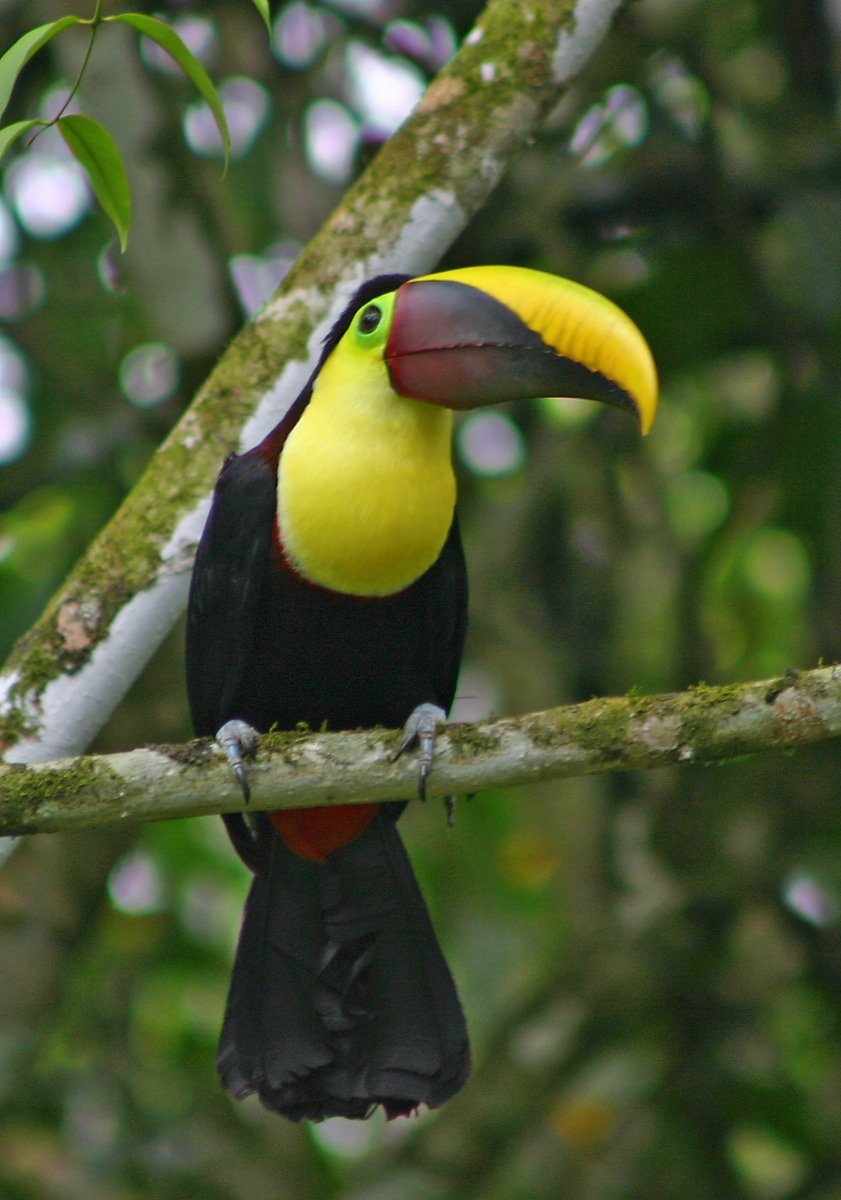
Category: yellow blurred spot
<point>697,503</point>
<point>777,566</point>
<point>582,1123</point>
<point>756,74</point>
<point>34,1155</point>
<point>526,862</point>
<point>771,1167</point>
<point>567,412</point>
<point>748,384</point>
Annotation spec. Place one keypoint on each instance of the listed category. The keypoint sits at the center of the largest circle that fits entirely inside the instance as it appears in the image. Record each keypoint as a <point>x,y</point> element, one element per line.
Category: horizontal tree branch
<point>298,770</point>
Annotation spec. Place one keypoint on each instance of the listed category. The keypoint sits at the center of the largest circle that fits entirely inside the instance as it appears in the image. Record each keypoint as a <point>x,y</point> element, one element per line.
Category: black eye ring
<point>370,319</point>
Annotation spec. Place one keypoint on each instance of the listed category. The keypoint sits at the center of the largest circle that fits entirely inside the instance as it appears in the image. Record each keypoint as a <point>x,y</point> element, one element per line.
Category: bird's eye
<point>370,319</point>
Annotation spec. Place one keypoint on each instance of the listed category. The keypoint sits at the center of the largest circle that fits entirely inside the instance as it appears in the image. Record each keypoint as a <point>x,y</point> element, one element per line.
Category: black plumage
<point>340,998</point>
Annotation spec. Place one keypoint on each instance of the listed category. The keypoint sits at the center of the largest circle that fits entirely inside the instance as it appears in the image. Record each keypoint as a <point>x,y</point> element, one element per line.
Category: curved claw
<point>238,739</point>
<point>421,727</point>
<point>238,768</point>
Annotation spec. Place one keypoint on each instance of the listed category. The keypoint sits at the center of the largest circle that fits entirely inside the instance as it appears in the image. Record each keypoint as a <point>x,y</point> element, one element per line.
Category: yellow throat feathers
<point>366,490</point>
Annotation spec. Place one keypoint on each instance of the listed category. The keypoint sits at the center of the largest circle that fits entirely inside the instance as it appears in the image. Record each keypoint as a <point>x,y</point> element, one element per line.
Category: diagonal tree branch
<point>297,770</point>
<point>65,676</point>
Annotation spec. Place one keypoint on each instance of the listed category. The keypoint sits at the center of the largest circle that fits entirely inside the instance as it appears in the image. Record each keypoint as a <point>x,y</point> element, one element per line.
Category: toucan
<point>330,590</point>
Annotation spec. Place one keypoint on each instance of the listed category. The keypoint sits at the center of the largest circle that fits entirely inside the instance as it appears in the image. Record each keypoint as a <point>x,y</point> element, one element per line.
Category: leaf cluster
<point>88,140</point>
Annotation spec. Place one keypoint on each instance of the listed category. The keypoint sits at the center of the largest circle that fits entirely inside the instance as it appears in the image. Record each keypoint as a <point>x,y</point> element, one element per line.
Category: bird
<point>329,591</point>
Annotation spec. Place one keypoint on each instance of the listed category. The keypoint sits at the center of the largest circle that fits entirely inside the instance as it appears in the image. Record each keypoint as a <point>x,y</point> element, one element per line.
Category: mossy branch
<point>298,770</point>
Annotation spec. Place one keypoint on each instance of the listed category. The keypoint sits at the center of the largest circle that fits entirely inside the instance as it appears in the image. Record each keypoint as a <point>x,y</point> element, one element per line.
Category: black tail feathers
<point>340,998</point>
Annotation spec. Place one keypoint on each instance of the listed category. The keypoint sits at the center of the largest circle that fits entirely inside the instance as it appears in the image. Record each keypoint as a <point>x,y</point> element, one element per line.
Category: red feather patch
<point>314,833</point>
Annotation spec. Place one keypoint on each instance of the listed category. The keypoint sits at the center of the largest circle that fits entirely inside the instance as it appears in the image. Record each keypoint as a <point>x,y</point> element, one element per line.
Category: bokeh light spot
<point>698,502</point>
<point>22,289</point>
<point>56,101</point>
<point>805,897</point>
<point>383,90</point>
<point>348,1139</point>
<point>527,862</point>
<point>331,139</point>
<point>680,94</point>
<point>583,1123</point>
<point>756,74</point>
<point>409,39</point>
<point>490,444</point>
<point>109,268</point>
<point>619,122</point>
<point>378,12</point>
<point>49,194</point>
<point>771,1167</point>
<point>256,276</point>
<point>14,425</point>
<point>246,106</point>
<point>149,374</point>
<point>776,565</point>
<point>567,412</point>
<point>300,33</point>
<point>15,417</point>
<point>135,885</point>
<point>432,44</point>
<point>676,440</point>
<point>13,372</point>
<point>748,384</point>
<point>9,239</point>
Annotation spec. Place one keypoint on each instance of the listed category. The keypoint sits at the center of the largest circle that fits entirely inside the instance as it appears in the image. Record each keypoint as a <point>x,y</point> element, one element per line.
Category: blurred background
<point>650,965</point>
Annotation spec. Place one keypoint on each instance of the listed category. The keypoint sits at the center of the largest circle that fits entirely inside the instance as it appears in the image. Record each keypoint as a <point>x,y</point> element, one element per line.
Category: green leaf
<point>166,37</point>
<point>262,7</point>
<point>93,147</point>
<point>11,133</point>
<point>19,54</point>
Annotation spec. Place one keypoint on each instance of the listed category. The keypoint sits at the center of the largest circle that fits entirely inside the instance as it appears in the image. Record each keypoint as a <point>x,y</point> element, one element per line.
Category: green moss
<point>286,742</point>
<point>14,726</point>
<point>37,666</point>
<point>599,726</point>
<point>700,709</point>
<point>470,742</point>
<point>25,790</point>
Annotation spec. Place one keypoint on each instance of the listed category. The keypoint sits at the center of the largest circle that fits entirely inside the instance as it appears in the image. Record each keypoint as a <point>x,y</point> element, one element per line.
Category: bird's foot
<point>421,728</point>
<point>238,739</point>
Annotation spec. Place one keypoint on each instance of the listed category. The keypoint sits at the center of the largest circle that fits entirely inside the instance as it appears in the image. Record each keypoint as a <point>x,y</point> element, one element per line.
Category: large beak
<point>482,335</point>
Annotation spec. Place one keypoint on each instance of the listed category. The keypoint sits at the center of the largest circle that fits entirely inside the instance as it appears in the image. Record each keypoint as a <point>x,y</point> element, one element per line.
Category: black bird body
<point>340,999</point>
<point>271,648</point>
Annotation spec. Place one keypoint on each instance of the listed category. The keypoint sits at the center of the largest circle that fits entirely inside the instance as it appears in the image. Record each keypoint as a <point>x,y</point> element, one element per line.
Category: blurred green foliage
<point>651,967</point>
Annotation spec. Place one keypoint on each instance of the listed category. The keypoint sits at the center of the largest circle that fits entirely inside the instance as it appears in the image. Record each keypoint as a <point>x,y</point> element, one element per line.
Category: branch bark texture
<point>65,676</point>
<point>298,770</point>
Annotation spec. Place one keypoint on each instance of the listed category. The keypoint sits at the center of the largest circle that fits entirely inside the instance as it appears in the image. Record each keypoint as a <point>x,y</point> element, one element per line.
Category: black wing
<point>445,588</point>
<point>228,578</point>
